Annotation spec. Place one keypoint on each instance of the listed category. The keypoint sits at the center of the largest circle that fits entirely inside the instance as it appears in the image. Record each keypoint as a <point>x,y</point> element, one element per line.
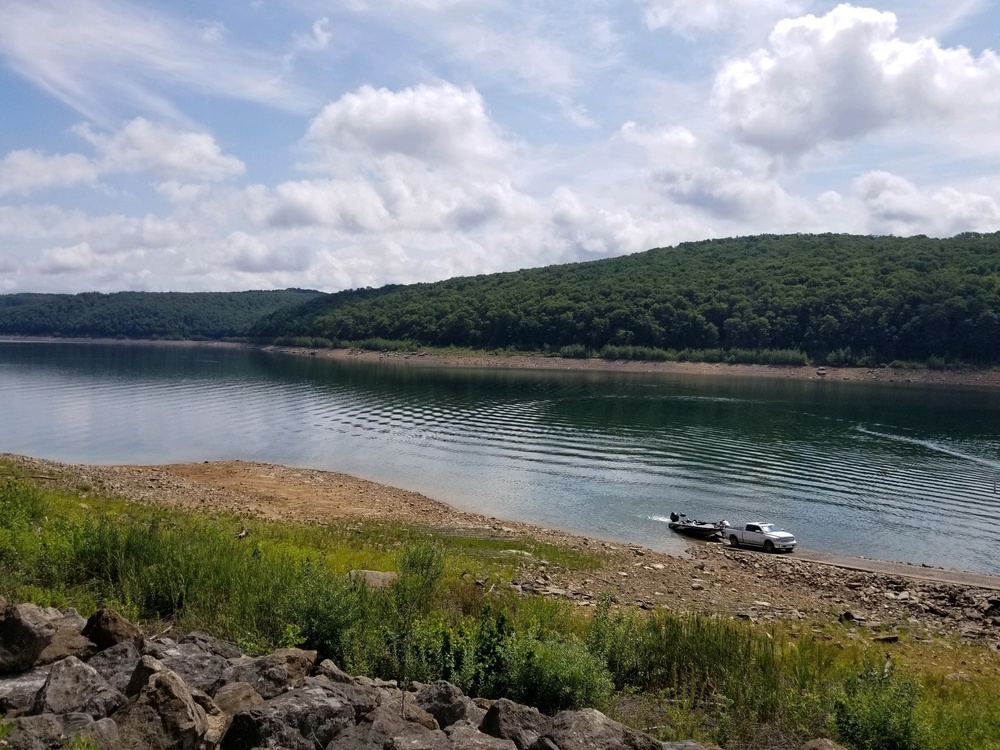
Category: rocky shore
<point>104,681</point>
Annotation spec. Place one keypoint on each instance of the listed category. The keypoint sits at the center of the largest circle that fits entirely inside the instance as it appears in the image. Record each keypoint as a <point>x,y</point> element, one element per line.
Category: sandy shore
<point>710,578</point>
<point>987,377</point>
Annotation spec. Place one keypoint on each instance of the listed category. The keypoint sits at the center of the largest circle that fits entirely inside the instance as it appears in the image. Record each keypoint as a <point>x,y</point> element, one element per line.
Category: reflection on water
<point>888,471</point>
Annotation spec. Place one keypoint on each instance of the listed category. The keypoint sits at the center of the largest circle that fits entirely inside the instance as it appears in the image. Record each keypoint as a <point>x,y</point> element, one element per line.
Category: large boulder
<point>75,687</point>
<point>237,696</point>
<point>107,628</point>
<point>364,699</point>
<point>213,645</point>
<point>523,725</point>
<point>447,704</point>
<point>163,716</point>
<point>22,639</point>
<point>272,674</point>
<point>116,664</point>
<point>385,729</point>
<point>198,668</point>
<point>51,731</point>
<point>17,692</point>
<point>300,719</point>
<point>60,631</point>
<point>589,729</point>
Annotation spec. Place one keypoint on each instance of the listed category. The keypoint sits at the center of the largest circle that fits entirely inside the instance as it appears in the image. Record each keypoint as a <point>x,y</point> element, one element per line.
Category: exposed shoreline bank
<point>712,578</point>
<point>971,376</point>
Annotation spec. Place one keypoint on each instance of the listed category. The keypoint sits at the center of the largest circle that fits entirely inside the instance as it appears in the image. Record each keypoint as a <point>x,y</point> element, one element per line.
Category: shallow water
<point>890,471</point>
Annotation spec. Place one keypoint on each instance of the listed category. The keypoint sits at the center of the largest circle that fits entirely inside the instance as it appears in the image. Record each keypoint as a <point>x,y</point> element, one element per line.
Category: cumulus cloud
<point>437,125</point>
<point>845,75</point>
<point>689,172</point>
<point>894,205</point>
<point>140,146</point>
<point>688,16</point>
<point>168,153</point>
<point>28,170</point>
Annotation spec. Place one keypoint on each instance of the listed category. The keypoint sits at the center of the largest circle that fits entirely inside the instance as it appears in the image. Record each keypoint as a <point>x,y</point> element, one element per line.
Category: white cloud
<point>894,205</point>
<point>436,125</point>
<point>317,39</point>
<point>139,147</point>
<point>845,75</point>
<point>251,254</point>
<point>143,146</point>
<point>713,180</point>
<point>75,259</point>
<point>25,171</point>
<point>687,16</point>
<point>96,55</point>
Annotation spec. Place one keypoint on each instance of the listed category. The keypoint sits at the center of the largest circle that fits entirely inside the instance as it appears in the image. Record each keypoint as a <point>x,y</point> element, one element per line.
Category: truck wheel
<point>768,546</point>
<point>733,541</point>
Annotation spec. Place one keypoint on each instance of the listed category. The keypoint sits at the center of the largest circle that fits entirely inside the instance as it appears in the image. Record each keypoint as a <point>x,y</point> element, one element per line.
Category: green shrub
<point>555,673</point>
<point>878,711</point>
<point>575,351</point>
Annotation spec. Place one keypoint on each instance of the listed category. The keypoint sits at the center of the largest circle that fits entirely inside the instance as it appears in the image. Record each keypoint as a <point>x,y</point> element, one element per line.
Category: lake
<point>889,471</point>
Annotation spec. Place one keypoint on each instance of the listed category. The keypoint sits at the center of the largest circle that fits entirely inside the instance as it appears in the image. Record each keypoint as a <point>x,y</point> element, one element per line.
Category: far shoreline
<point>966,376</point>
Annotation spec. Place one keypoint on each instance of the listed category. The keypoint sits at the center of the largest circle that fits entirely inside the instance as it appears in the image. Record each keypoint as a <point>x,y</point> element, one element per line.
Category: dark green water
<point>902,472</point>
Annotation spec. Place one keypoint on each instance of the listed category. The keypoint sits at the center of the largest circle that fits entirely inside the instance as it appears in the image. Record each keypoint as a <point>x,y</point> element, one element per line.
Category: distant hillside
<point>839,299</point>
<point>143,315</point>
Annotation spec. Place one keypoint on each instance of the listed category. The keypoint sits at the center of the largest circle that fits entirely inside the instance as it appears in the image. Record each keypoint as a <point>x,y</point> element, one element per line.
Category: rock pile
<point>101,679</point>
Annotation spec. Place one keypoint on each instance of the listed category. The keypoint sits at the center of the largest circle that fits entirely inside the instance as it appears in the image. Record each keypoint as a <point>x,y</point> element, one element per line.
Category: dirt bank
<point>987,377</point>
<point>711,578</point>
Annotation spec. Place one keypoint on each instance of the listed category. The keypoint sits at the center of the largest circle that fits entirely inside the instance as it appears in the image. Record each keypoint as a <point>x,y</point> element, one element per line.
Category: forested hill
<point>839,299</point>
<point>143,315</point>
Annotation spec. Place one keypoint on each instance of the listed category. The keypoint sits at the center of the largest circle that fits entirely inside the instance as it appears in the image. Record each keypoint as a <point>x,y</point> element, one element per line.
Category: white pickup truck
<point>766,535</point>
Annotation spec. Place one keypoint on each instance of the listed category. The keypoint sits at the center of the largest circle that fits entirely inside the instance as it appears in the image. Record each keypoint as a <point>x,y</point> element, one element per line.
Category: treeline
<point>834,299</point>
<point>143,315</point>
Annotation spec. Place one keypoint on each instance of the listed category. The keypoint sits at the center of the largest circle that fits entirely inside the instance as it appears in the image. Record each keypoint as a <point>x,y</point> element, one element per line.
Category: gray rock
<point>447,704</point>
<point>116,664</point>
<point>144,670</point>
<point>237,696</point>
<point>213,645</point>
<point>22,639</point>
<point>384,728</point>
<point>75,687</point>
<point>364,699</point>
<point>217,720</point>
<point>107,628</point>
<point>333,673</point>
<point>464,736</point>
<point>198,668</point>
<point>523,725</point>
<point>589,729</point>
<point>164,716</point>
<point>272,674</point>
<point>373,579</point>
<point>301,719</point>
<point>66,638</point>
<point>50,731</point>
<point>17,693</point>
<point>157,646</point>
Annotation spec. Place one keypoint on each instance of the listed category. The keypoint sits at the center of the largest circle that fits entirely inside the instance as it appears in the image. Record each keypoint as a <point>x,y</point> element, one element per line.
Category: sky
<point>224,145</point>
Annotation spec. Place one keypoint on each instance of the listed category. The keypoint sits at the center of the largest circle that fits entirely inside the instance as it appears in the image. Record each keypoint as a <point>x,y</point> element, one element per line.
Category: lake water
<point>889,471</point>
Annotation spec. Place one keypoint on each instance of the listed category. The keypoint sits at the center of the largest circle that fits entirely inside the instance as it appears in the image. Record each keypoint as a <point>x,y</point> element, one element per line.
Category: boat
<point>699,529</point>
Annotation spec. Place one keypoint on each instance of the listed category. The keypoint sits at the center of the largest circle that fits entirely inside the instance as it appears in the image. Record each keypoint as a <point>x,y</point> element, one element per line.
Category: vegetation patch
<point>449,614</point>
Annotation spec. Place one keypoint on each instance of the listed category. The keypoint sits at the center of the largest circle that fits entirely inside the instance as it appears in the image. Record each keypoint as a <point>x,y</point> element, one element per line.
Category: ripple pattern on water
<point>879,473</point>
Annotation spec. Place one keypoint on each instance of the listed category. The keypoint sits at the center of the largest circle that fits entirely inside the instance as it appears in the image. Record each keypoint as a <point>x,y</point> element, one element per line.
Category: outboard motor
<point>674,517</point>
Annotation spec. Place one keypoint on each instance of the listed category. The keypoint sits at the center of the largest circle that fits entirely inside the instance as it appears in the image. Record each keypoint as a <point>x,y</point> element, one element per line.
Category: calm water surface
<point>901,472</point>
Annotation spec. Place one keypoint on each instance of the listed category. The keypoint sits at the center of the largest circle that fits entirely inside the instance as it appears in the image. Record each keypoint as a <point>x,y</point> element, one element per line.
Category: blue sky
<point>255,144</point>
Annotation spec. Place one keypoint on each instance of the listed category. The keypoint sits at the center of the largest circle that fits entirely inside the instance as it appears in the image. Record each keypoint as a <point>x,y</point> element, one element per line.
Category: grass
<point>450,615</point>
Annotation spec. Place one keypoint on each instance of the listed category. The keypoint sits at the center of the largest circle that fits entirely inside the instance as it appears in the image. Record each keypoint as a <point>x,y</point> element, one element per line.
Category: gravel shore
<point>879,598</point>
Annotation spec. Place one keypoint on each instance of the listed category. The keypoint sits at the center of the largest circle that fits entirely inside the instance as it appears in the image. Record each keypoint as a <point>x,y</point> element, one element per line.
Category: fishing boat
<point>699,529</point>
